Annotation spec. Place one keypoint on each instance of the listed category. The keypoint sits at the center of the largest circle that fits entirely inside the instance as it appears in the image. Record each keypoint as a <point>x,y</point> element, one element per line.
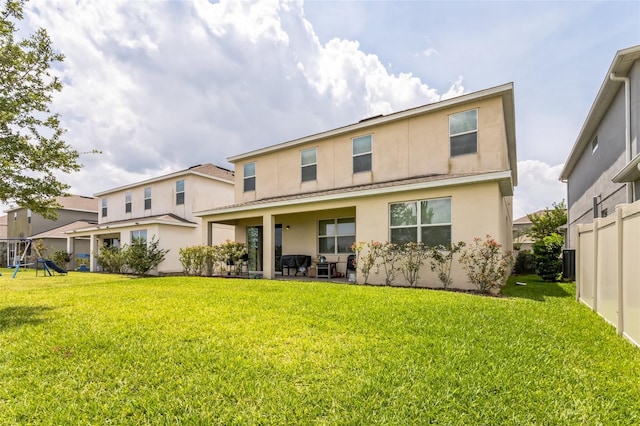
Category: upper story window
<point>426,221</point>
<point>104,207</point>
<point>308,161</point>
<point>362,154</point>
<point>127,202</point>
<point>147,198</point>
<point>250,177</point>
<point>594,145</point>
<point>463,132</point>
<point>180,192</point>
<point>28,215</point>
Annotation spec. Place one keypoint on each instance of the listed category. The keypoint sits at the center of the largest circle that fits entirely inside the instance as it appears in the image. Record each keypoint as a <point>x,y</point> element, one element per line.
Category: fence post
<point>619,221</point>
<point>578,264</point>
<point>595,265</point>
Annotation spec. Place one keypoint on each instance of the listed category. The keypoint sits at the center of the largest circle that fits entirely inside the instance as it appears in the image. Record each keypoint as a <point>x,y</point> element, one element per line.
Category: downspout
<point>627,126</point>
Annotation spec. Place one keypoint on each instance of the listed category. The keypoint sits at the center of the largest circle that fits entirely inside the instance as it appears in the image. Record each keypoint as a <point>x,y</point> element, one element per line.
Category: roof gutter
<point>627,125</point>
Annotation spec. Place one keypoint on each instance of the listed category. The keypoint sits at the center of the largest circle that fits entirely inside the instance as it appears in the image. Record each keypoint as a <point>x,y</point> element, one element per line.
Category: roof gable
<point>622,63</point>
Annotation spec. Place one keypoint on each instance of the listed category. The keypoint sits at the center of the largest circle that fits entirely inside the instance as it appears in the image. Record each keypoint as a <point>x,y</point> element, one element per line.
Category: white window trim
<point>245,177</point>
<point>336,236</point>
<point>147,198</point>
<point>468,132</point>
<point>315,163</point>
<point>370,152</point>
<point>418,226</point>
<point>180,192</point>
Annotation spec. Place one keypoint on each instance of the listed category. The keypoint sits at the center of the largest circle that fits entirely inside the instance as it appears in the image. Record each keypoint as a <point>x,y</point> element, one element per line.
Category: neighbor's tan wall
<point>200,194</point>
<point>407,148</point>
<point>608,270</point>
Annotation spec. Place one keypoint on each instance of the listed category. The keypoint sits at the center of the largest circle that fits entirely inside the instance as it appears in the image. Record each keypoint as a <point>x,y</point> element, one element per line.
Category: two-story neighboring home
<point>75,211</point>
<point>439,173</point>
<point>22,223</point>
<point>602,169</point>
<point>162,208</point>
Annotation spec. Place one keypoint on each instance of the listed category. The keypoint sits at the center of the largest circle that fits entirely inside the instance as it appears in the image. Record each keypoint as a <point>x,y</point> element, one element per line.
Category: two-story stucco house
<point>162,208</point>
<point>602,168</point>
<point>75,211</point>
<point>439,173</point>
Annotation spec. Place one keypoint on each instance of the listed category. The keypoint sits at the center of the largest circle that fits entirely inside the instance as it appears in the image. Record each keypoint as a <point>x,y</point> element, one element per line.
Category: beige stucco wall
<point>405,148</point>
<point>200,194</point>
<point>476,210</point>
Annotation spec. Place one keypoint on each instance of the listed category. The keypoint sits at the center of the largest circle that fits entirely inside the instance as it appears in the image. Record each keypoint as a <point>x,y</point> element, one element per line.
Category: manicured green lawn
<point>102,349</point>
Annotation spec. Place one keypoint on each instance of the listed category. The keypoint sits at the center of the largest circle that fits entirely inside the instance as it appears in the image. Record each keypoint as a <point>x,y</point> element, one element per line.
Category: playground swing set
<point>17,251</point>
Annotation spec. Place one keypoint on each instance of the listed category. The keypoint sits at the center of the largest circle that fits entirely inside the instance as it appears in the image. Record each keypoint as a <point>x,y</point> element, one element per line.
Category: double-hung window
<point>425,221</point>
<point>140,234</point>
<point>127,202</point>
<point>336,235</point>
<point>180,192</point>
<point>250,177</point>
<point>362,154</point>
<point>104,207</point>
<point>147,198</point>
<point>309,164</point>
<point>463,133</point>
<point>28,215</point>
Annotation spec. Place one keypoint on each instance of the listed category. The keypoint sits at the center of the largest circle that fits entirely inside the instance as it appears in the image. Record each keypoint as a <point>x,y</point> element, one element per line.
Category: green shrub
<point>487,267</point>
<point>547,253</point>
<point>412,257</point>
<point>525,263</point>
<point>112,259</point>
<point>441,260</point>
<point>61,258</point>
<point>142,255</point>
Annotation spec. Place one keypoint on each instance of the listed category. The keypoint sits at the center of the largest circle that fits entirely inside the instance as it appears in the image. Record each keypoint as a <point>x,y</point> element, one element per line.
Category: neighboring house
<point>439,173</point>
<point>3,244</point>
<point>3,227</point>
<point>602,170</point>
<point>57,239</point>
<point>522,241</point>
<point>22,223</point>
<point>161,208</point>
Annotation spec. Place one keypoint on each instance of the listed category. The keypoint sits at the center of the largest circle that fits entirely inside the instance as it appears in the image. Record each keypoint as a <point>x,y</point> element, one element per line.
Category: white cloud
<point>538,187</point>
<point>162,85</point>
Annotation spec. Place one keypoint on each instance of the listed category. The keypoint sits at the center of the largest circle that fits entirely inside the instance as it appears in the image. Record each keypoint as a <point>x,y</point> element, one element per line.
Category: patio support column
<point>268,246</point>
<point>71,249</point>
<point>92,250</point>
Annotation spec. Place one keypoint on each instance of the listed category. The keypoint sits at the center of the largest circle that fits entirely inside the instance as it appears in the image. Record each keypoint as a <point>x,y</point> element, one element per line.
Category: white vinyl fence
<point>608,269</point>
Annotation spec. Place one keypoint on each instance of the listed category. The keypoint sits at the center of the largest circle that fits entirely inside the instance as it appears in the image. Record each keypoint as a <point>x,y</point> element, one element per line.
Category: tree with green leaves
<point>32,152</point>
<point>548,242</point>
<point>547,222</point>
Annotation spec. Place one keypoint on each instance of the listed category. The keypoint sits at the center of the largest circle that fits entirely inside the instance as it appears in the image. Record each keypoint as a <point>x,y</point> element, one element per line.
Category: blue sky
<point>159,86</point>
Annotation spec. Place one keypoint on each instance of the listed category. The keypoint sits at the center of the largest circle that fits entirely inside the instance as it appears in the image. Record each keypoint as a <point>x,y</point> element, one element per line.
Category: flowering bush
<point>441,260</point>
<point>412,256</point>
<point>367,255</point>
<point>487,267</point>
<point>390,255</point>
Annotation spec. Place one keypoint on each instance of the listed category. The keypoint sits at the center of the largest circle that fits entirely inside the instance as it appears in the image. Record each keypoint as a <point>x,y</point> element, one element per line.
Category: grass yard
<point>106,349</point>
